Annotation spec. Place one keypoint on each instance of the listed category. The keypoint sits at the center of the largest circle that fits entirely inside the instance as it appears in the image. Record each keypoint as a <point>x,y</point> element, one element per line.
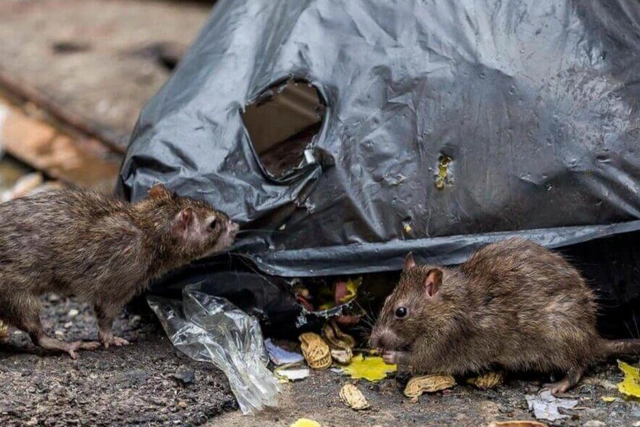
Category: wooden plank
<point>74,160</point>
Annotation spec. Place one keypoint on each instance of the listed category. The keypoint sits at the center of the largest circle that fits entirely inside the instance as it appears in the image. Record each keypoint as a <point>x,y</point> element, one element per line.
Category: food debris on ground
<point>305,422</point>
<point>315,351</point>
<point>334,336</point>
<point>487,381</point>
<point>353,398</point>
<point>428,384</point>
<point>545,406</point>
<point>286,373</point>
<point>342,356</point>
<point>630,385</point>
<point>281,356</point>
<point>340,343</point>
<point>370,368</point>
<point>608,399</point>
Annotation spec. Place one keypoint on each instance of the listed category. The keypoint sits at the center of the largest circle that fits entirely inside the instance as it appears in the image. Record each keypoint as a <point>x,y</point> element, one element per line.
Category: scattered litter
<point>185,377</point>
<point>316,352</point>
<point>341,344</point>
<point>608,399</point>
<point>280,356</point>
<point>335,337</point>
<point>594,423</point>
<point>545,406</point>
<point>353,398</point>
<point>346,291</point>
<point>73,312</point>
<point>287,373</point>
<point>305,422</point>
<point>428,384</point>
<point>369,368</point>
<point>211,329</point>
<point>630,385</point>
<point>330,300</point>
<point>342,356</point>
<point>517,424</point>
<point>609,385</point>
<point>487,381</point>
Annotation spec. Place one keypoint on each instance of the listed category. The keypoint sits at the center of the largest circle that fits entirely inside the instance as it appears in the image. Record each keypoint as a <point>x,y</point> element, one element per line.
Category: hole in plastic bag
<point>282,121</point>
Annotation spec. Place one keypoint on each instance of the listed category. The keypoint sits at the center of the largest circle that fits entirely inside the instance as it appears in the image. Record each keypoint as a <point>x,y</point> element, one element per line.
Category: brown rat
<point>514,305</point>
<point>98,248</point>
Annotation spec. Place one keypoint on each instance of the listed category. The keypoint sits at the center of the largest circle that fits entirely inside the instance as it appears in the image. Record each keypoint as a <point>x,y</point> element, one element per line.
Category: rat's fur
<point>98,248</point>
<point>513,305</point>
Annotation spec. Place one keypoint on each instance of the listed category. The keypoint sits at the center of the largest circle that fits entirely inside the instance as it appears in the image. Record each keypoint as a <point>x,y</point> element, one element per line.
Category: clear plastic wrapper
<point>211,329</point>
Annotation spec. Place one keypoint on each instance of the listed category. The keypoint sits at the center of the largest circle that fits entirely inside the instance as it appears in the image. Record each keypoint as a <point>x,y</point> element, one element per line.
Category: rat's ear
<point>409,262</point>
<point>432,282</point>
<point>183,220</point>
<point>159,191</point>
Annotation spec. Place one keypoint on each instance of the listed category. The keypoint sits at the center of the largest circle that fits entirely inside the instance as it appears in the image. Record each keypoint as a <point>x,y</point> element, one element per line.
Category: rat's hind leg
<point>24,313</point>
<point>105,316</point>
<point>569,381</point>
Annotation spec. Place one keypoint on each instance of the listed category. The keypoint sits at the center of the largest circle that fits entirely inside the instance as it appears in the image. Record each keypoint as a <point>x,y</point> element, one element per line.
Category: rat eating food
<point>513,305</point>
<point>99,249</point>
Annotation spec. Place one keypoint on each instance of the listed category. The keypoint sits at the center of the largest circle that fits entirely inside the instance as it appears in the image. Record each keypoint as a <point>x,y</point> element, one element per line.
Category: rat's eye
<point>213,223</point>
<point>401,312</point>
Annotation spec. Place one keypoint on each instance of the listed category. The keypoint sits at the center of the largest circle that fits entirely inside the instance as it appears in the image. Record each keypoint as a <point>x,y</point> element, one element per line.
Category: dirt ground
<point>104,59</point>
<point>149,383</point>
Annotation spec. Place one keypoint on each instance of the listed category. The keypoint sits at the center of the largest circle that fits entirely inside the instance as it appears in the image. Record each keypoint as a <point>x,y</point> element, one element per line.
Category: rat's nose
<point>382,339</point>
<point>375,340</point>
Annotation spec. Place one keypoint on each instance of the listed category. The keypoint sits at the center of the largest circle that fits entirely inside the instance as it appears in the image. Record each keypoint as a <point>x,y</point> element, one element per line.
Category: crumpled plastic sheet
<point>211,329</point>
<point>545,406</point>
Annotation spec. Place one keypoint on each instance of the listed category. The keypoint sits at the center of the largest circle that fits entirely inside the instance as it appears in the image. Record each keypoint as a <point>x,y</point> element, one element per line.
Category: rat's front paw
<point>394,357</point>
<point>107,339</point>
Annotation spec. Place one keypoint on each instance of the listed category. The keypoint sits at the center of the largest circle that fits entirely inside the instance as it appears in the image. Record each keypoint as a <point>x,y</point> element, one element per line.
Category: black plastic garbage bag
<point>441,126</point>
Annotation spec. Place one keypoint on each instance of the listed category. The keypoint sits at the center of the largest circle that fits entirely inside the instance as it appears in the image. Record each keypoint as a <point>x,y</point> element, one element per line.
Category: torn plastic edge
<point>448,250</point>
<point>326,314</point>
<point>295,173</point>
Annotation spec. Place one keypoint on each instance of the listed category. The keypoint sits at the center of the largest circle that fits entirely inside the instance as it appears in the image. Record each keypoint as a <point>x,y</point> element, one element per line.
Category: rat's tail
<point>612,348</point>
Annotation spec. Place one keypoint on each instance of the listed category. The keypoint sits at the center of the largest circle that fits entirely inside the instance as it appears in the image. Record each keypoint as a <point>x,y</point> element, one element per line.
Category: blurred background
<point>74,75</point>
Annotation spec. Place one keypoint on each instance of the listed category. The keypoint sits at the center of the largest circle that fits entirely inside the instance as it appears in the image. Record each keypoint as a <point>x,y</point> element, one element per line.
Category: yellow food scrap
<point>608,399</point>
<point>443,171</point>
<point>407,228</point>
<point>353,398</point>
<point>630,385</point>
<point>370,368</point>
<point>428,384</point>
<point>305,422</point>
<point>352,290</point>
